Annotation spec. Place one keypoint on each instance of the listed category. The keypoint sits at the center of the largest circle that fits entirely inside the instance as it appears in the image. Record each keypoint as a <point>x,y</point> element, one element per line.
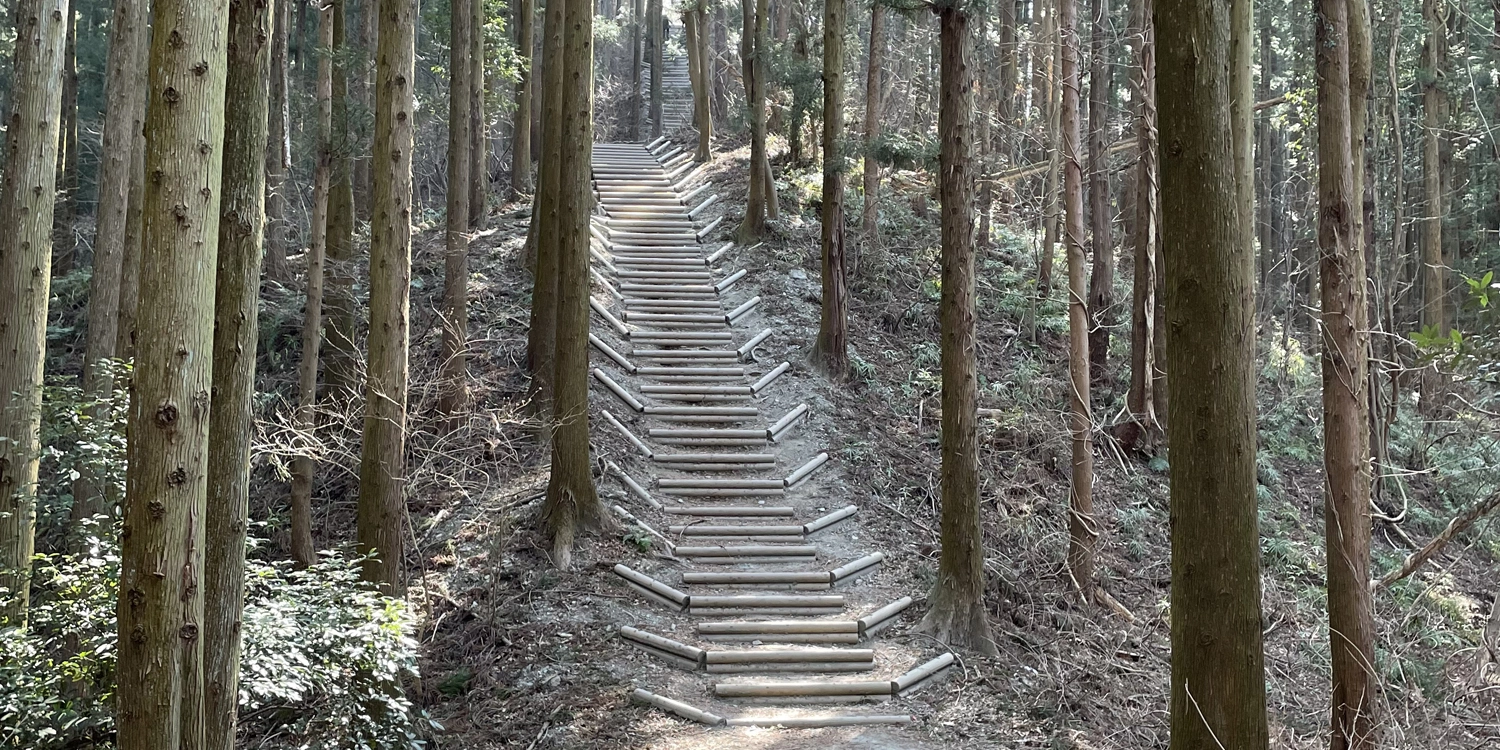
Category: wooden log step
<point>772,667</point>
<point>674,432</point>
<point>714,442</point>
<point>745,412</point>
<point>755,578</point>
<point>749,551</point>
<point>706,530</point>
<point>679,371</point>
<point>759,601</point>
<point>691,653</point>
<point>719,492</point>
<point>733,511</point>
<point>717,458</point>
<point>659,318</point>
<point>749,484</point>
<point>655,276</point>
<point>781,627</point>
<point>647,291</point>
<point>789,655</point>
<point>845,638</point>
<point>677,707</point>
<point>700,304</point>
<point>651,584</point>
<point>697,390</point>
<point>741,612</point>
<point>801,689</point>
<point>700,398</point>
<point>825,721</point>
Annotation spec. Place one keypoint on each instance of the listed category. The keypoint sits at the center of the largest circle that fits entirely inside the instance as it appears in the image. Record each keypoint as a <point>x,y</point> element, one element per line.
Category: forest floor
<point>519,654</point>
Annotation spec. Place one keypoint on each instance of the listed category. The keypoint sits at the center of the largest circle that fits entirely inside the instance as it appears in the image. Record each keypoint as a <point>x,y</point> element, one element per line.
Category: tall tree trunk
<point>1218,675</point>
<point>637,62</point>
<point>870,213</point>
<point>654,26</point>
<point>341,365</point>
<point>1052,188</point>
<point>719,55</point>
<point>303,467</point>
<point>360,62</point>
<point>125,108</point>
<point>382,463</point>
<point>242,221</point>
<point>1083,532</point>
<point>161,608</point>
<point>278,151</point>
<point>541,336</point>
<point>1434,266</point>
<point>1143,355</point>
<point>957,612</point>
<point>1346,448</point>
<point>761,203</point>
<point>572,503</point>
<point>830,352</point>
<point>695,21</point>
<point>26,206</point>
<point>65,215</point>
<point>520,152</point>
<point>135,230</point>
<point>479,171</point>
<point>1102,277</point>
<point>454,396</point>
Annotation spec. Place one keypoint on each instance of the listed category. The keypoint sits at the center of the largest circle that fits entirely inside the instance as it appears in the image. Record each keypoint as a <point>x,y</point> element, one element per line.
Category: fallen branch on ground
<point>1455,527</point>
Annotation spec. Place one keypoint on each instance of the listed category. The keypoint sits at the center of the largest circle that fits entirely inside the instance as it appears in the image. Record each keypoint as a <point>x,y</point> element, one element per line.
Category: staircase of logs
<point>759,611</point>
<point>676,94</point>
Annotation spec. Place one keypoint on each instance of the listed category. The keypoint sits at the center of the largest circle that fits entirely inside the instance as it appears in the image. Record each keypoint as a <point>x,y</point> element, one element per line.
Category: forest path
<point>756,594</point>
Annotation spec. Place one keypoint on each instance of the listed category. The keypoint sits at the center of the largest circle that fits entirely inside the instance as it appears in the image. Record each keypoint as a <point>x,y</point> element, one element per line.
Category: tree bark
<point>242,221</point>
<point>304,467</point>
<point>382,462</point>
<point>65,214</point>
<point>278,151</point>
<point>541,336</point>
<point>520,152</point>
<point>360,60</point>
<point>125,108</point>
<point>454,396</point>
<point>1218,675</point>
<point>870,213</point>
<point>637,63</point>
<point>161,607</point>
<point>1143,356</point>
<point>695,23</point>
<point>1052,206</point>
<point>479,172</point>
<point>130,257</point>
<point>1434,266</point>
<point>26,207</point>
<point>1346,450</point>
<point>340,366</point>
<point>830,352</point>
<point>957,613</point>
<point>1102,275</point>
<point>1083,531</point>
<point>654,27</point>
<point>572,503</point>
<point>761,203</point>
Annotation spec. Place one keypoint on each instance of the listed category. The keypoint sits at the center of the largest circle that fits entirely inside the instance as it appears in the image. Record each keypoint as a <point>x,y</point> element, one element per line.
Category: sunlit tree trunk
<point>454,396</point>
<point>637,63</point>
<point>654,28</point>
<point>479,141</point>
<point>125,108</point>
<point>830,351</point>
<point>278,151</point>
<point>160,699</point>
<point>382,463</point>
<point>541,336</point>
<point>957,611</point>
<point>520,153</point>
<point>870,218</point>
<point>1143,355</point>
<point>760,205</point>
<point>1083,532</point>
<point>26,207</point>
<point>1218,676</point>
<point>341,360</point>
<point>304,467</point>
<point>572,503</point>
<point>1434,265</point>
<point>242,221</point>
<point>1102,275</point>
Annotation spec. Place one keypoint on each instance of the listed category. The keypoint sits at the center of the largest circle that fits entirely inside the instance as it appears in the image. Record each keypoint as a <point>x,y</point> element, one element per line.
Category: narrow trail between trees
<point>751,596</point>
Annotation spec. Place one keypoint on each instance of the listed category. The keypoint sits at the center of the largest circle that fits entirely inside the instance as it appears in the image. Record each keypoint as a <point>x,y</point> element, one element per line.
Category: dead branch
<point>1455,527</point>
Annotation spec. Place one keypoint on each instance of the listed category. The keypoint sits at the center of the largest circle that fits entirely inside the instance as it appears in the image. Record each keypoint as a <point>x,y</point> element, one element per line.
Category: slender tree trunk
<point>695,21</point>
<point>1102,277</point>
<point>455,388</point>
<point>957,612</point>
<point>830,352</point>
<point>637,62</point>
<point>135,228</point>
<point>541,337</point>
<point>761,203</point>
<point>65,215</point>
<point>1218,675</point>
<point>479,171</point>
<point>870,218</point>
<point>1143,356</point>
<point>242,221</point>
<point>1052,193</point>
<point>719,56</point>
<point>654,26</point>
<point>572,503</point>
<point>341,364</point>
<point>1083,532</point>
<point>360,59</point>
<point>26,207</point>
<point>520,152</point>
<point>278,151</point>
<point>161,608</point>
<point>304,468</point>
<point>382,464</point>
<point>1434,266</point>
<point>125,108</point>
<point>1346,449</point>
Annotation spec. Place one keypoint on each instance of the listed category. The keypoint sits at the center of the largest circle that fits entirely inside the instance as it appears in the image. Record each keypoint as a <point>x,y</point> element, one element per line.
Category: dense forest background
<point>465,649</point>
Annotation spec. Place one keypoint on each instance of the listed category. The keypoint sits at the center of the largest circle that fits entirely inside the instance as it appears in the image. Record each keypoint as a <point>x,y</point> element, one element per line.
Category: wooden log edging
<point>770,377</point>
<point>806,469</point>
<point>787,422</point>
<point>619,391</point>
<point>630,483</point>
<point>678,707</point>
<point>745,351</point>
<point>613,355</point>
<point>640,445</point>
<point>658,590</point>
